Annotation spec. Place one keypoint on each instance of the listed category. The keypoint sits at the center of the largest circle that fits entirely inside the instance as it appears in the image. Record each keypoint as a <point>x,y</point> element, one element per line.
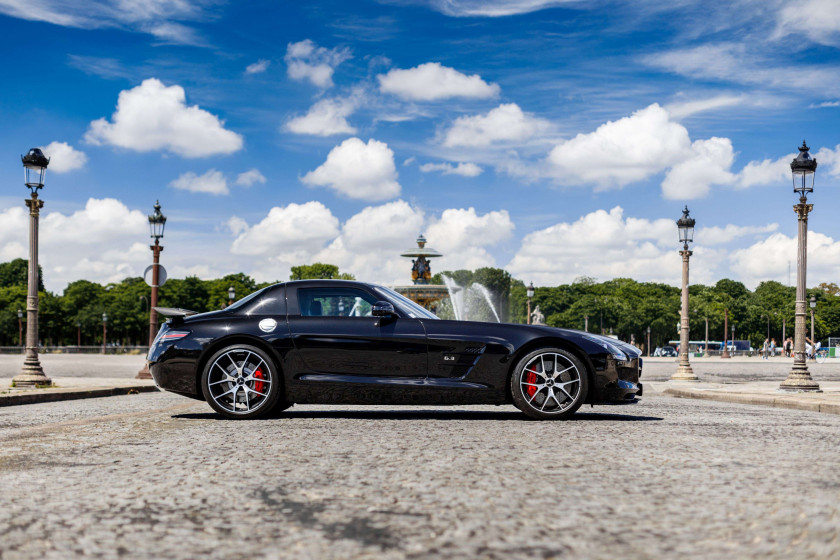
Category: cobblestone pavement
<point>156,475</point>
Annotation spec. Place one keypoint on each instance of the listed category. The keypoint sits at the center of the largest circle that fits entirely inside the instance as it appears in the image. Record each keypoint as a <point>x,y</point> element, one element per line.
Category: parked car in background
<point>665,352</point>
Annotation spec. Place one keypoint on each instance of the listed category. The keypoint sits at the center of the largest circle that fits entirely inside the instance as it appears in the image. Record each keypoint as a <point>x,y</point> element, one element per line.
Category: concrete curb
<point>812,402</point>
<point>53,395</point>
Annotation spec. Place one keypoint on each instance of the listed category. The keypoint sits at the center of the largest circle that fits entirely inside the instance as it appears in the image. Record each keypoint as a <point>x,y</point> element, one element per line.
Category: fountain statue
<point>537,317</point>
<point>422,290</point>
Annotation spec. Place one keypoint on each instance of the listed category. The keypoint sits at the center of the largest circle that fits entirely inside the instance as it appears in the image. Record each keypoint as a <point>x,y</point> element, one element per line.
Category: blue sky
<point>556,139</point>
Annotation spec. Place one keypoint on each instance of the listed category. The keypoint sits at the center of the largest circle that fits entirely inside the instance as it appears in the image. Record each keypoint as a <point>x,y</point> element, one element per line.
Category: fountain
<point>470,303</point>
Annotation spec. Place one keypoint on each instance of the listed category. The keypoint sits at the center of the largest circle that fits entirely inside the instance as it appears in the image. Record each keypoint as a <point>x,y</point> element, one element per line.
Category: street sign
<point>147,275</point>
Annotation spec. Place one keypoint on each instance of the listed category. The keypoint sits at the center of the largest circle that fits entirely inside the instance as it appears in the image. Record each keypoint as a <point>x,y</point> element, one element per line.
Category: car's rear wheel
<point>549,384</point>
<point>240,381</point>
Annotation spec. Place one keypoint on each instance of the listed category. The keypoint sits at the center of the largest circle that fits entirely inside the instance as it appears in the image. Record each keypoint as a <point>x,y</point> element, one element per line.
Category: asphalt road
<point>156,475</point>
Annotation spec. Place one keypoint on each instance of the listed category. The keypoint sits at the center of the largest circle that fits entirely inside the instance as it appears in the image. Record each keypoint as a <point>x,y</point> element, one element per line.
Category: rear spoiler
<point>176,313</point>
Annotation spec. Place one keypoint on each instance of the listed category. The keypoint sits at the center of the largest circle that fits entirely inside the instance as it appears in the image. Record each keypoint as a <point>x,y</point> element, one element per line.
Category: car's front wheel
<point>240,381</point>
<point>549,384</point>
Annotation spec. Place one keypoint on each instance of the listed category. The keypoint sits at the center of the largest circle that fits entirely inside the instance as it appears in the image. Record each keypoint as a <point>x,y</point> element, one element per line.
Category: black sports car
<point>342,342</point>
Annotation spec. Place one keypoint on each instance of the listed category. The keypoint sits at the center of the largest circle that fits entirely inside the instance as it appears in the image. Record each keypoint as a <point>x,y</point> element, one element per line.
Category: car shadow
<point>423,415</point>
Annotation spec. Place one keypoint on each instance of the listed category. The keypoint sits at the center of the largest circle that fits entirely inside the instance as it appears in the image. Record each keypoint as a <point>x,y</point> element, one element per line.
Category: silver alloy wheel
<point>239,381</point>
<point>550,383</point>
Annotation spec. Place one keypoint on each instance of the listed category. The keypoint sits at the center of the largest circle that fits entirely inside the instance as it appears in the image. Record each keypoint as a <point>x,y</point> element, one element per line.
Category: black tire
<point>536,377</point>
<point>232,379</point>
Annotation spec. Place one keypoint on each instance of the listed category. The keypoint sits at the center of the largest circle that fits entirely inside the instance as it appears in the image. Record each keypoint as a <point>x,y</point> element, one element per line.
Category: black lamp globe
<point>231,293</point>
<point>803,168</point>
<point>686,228</point>
<point>157,222</point>
<point>35,168</point>
<point>530,291</point>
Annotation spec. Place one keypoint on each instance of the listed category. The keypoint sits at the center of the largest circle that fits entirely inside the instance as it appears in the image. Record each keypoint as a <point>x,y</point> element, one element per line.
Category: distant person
<point>765,348</point>
<point>809,348</point>
<point>773,347</point>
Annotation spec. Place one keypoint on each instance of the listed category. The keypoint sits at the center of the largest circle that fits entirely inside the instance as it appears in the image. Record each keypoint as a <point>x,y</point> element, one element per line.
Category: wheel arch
<point>231,340</point>
<point>552,342</point>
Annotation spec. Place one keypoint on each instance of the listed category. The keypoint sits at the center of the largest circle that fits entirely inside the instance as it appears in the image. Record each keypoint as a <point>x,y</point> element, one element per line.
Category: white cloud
<point>733,62</point>
<point>371,242</point>
<point>97,243</point>
<point>765,172</point>
<point>152,116</point>
<point>250,177</point>
<point>687,108</point>
<point>432,81</point>
<point>709,164</point>
<point>212,182</point>
<point>620,152</point>
<point>463,169</point>
<point>156,17</point>
<point>507,122</point>
<point>287,235</point>
<point>236,225</point>
<point>325,118</point>
<point>358,170</point>
<point>258,67</point>
<point>307,61</point>
<point>769,259</point>
<point>717,235</point>
<point>492,8</point>
<point>464,236</point>
<point>825,104</point>
<point>63,157</point>
<point>817,19</point>
<point>606,245</point>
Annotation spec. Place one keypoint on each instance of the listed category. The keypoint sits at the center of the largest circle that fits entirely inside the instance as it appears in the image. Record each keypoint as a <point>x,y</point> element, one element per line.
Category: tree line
<point>622,306</point>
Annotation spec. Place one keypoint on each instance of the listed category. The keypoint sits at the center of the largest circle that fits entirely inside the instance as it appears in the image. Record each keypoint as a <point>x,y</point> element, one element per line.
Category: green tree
<point>16,273</point>
<point>319,271</point>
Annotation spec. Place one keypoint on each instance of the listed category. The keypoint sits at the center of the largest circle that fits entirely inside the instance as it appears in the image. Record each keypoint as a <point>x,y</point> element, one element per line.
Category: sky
<point>553,138</point>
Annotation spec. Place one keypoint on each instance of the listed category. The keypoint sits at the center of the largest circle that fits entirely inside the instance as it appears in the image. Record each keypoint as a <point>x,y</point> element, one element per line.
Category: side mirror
<point>383,309</point>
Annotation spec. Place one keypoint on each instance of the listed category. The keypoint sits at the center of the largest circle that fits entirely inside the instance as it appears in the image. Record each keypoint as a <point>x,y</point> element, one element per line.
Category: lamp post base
<point>684,373</point>
<point>144,373</point>
<point>799,381</point>
<point>31,375</point>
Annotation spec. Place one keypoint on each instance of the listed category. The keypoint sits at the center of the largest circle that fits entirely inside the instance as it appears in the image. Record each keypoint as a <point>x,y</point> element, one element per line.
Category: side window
<point>272,302</point>
<point>334,302</point>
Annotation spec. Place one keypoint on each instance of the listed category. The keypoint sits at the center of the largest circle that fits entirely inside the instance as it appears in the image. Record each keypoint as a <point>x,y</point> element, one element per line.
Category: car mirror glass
<point>383,309</point>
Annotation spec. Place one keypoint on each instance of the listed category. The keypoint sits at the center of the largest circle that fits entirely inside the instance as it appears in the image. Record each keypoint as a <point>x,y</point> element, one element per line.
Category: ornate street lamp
<point>231,295</point>
<point>586,323</point>
<point>648,342</point>
<point>20,327</point>
<point>104,331</point>
<point>706,346</point>
<point>157,223</point>
<point>78,333</point>
<point>803,169</point>
<point>813,308</point>
<point>685,225</point>
<point>530,293</point>
<point>725,354</point>
<point>35,169</point>
<point>733,338</point>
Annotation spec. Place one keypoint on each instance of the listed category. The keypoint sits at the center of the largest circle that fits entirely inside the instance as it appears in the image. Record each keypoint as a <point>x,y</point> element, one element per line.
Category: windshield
<point>406,305</point>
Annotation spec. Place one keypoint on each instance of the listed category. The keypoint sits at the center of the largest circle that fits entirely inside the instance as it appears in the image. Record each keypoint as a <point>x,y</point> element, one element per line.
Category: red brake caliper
<point>258,385</point>
<point>530,377</point>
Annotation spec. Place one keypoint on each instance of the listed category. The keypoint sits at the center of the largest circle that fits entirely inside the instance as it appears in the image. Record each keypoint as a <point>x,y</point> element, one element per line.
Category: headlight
<point>611,348</point>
